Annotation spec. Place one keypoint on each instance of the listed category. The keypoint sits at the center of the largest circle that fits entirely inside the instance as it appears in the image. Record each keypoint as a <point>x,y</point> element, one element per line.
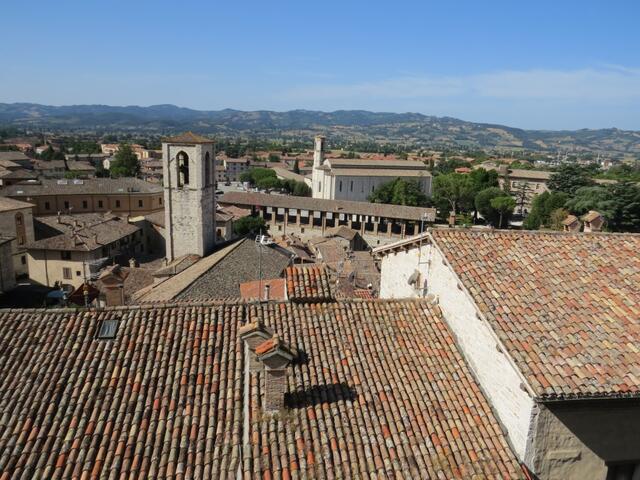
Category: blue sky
<point>538,64</point>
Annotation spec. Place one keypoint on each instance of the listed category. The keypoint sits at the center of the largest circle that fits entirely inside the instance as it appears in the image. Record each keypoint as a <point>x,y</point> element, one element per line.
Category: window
<point>340,187</point>
<point>65,255</point>
<point>85,204</point>
<point>140,203</point>
<point>352,185</point>
<point>23,260</point>
<point>66,205</point>
<point>20,240</point>
<point>66,273</point>
<point>99,203</point>
<point>183,169</point>
<point>117,203</point>
<point>107,329</point>
<point>78,273</point>
<point>160,198</point>
<point>47,206</point>
<point>19,219</point>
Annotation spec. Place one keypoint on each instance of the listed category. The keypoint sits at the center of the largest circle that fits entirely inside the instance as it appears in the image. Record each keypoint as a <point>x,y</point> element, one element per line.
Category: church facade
<point>356,179</point>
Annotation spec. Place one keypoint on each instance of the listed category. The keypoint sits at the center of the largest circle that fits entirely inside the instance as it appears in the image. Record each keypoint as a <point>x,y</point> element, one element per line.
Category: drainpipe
<point>46,268</point>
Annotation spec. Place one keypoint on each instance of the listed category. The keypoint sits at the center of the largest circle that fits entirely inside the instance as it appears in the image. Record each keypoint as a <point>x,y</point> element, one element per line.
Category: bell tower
<point>189,195</point>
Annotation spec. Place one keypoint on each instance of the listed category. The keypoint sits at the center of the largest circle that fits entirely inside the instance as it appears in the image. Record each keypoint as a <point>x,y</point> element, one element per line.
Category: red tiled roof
<point>308,283</point>
<point>255,289</point>
<point>383,392</point>
<point>566,306</point>
<point>188,138</point>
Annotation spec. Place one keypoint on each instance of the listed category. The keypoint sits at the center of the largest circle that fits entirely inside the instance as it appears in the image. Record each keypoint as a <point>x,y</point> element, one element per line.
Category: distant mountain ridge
<point>348,125</point>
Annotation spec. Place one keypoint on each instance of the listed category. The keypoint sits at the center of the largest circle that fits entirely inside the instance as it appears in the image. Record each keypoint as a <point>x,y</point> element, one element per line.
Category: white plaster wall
<point>498,377</point>
<point>362,186</point>
<point>396,268</point>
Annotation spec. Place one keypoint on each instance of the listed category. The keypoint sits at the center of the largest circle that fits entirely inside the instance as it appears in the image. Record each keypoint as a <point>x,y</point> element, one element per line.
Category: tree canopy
<point>504,205</point>
<point>454,191</point>
<point>569,178</point>
<point>125,164</point>
<point>541,208</point>
<point>484,206</point>
<point>399,192</point>
<point>249,225</point>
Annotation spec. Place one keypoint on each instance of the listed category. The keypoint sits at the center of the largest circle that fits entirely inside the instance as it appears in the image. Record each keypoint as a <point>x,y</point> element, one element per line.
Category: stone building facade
<point>16,221</point>
<point>129,196</point>
<point>189,179</point>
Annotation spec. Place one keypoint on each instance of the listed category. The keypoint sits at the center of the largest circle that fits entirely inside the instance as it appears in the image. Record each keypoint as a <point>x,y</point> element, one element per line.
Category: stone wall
<point>23,236</point>
<point>7,275</point>
<point>189,212</point>
<point>573,440</point>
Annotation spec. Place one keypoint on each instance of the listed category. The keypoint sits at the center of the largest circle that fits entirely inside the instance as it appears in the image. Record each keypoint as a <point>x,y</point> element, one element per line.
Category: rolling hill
<point>344,125</point>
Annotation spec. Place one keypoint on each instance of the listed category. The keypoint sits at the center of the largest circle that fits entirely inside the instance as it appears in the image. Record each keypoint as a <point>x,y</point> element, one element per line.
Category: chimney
<point>267,289</point>
<point>58,219</point>
<point>253,334</point>
<point>112,285</point>
<point>132,263</point>
<point>318,151</point>
<point>275,355</point>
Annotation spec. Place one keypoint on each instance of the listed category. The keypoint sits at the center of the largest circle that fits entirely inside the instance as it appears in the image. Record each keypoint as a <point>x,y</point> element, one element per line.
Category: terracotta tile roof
<point>364,293</point>
<point>308,283</point>
<point>17,174</point>
<point>383,392</point>
<point>250,199</point>
<point>254,290</point>
<point>566,306</point>
<point>220,274</point>
<point>82,232</point>
<point>591,216</point>
<point>341,231</point>
<point>8,204</point>
<point>124,185</point>
<point>188,137</point>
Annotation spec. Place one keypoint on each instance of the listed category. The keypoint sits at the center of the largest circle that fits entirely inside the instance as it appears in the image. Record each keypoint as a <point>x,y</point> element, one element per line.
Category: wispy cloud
<point>604,83</point>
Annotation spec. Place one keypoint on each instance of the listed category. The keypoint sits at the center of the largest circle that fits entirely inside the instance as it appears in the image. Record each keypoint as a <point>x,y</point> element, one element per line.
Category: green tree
<point>125,164</point>
<point>453,191</point>
<point>268,183</point>
<point>626,217</point>
<point>618,203</point>
<point>557,217</point>
<point>485,208</point>
<point>569,178</point>
<point>481,179</point>
<point>541,208</point>
<point>592,198</point>
<point>301,189</point>
<point>274,157</point>
<point>254,175</point>
<point>504,206</point>
<point>249,225</point>
<point>399,192</point>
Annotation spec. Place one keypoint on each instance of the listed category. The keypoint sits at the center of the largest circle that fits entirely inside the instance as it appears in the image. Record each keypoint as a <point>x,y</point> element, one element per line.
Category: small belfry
<point>189,194</point>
